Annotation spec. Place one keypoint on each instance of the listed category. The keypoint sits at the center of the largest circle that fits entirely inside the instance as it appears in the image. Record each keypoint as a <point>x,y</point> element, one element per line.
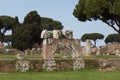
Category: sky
<point>60,10</point>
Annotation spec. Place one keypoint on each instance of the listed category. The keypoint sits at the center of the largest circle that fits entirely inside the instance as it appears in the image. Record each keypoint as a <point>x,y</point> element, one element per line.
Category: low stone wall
<point>8,65</point>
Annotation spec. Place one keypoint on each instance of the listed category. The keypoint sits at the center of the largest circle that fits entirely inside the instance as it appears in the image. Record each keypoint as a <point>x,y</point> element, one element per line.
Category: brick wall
<point>113,47</point>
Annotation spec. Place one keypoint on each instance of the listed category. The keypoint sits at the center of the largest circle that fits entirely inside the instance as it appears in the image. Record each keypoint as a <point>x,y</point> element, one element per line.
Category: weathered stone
<point>45,34</point>
<point>68,34</point>
<point>88,48</point>
<point>98,51</point>
<point>74,51</point>
<point>104,64</point>
<point>56,34</point>
<point>78,64</point>
<point>22,66</point>
<point>117,52</point>
<point>20,56</point>
<point>50,46</point>
<point>77,41</point>
<point>83,50</point>
<point>48,51</point>
<point>49,65</point>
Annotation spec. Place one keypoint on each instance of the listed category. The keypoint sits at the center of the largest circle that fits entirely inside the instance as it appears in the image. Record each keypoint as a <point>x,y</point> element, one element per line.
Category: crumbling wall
<point>63,46</point>
<point>7,65</point>
<point>63,64</point>
<point>113,47</point>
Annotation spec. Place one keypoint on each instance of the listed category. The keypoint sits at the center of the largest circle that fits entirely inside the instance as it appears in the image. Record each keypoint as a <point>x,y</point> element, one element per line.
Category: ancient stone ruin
<point>78,64</point>
<point>61,46</point>
<point>88,48</point>
<point>110,49</point>
<point>21,65</point>
<point>68,50</point>
<point>49,65</point>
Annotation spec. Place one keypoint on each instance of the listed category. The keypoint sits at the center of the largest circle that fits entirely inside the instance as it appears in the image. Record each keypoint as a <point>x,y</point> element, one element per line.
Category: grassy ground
<point>101,56</point>
<point>11,56</point>
<point>38,56</point>
<point>63,75</point>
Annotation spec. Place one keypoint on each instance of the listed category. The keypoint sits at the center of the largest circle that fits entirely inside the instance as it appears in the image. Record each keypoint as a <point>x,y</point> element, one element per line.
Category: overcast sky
<point>61,10</point>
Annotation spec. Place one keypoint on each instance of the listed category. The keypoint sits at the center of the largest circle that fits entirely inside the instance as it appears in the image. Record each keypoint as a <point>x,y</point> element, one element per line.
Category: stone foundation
<point>78,64</point>
<point>49,65</point>
<point>10,65</point>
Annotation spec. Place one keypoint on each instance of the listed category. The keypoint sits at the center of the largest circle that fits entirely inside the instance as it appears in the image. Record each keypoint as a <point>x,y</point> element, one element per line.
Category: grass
<point>93,56</point>
<point>11,56</point>
<point>101,56</point>
<point>63,75</point>
<point>38,56</point>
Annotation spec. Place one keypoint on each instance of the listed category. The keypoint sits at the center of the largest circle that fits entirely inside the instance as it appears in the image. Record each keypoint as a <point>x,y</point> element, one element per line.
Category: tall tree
<point>28,33</point>
<point>50,24</point>
<point>107,11</point>
<point>34,19</point>
<point>22,37</point>
<point>6,23</point>
<point>112,38</point>
<point>92,36</point>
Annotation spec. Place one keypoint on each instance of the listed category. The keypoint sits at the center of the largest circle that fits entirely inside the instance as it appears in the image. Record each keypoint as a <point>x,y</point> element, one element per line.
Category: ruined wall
<point>63,46</point>
<point>113,47</point>
<point>63,64</point>
<point>7,65</point>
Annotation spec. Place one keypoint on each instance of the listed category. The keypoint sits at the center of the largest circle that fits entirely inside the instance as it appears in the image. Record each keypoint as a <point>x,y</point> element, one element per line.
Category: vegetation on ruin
<point>63,75</point>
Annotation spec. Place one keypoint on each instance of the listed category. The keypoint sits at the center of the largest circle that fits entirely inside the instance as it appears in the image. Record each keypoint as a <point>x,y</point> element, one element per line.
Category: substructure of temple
<point>61,43</point>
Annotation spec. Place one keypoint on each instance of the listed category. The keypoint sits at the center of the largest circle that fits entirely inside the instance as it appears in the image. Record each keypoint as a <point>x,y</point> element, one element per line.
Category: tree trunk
<point>119,32</point>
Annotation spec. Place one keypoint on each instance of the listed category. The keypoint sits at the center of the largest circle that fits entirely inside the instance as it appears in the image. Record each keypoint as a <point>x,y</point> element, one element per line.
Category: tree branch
<point>112,26</point>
